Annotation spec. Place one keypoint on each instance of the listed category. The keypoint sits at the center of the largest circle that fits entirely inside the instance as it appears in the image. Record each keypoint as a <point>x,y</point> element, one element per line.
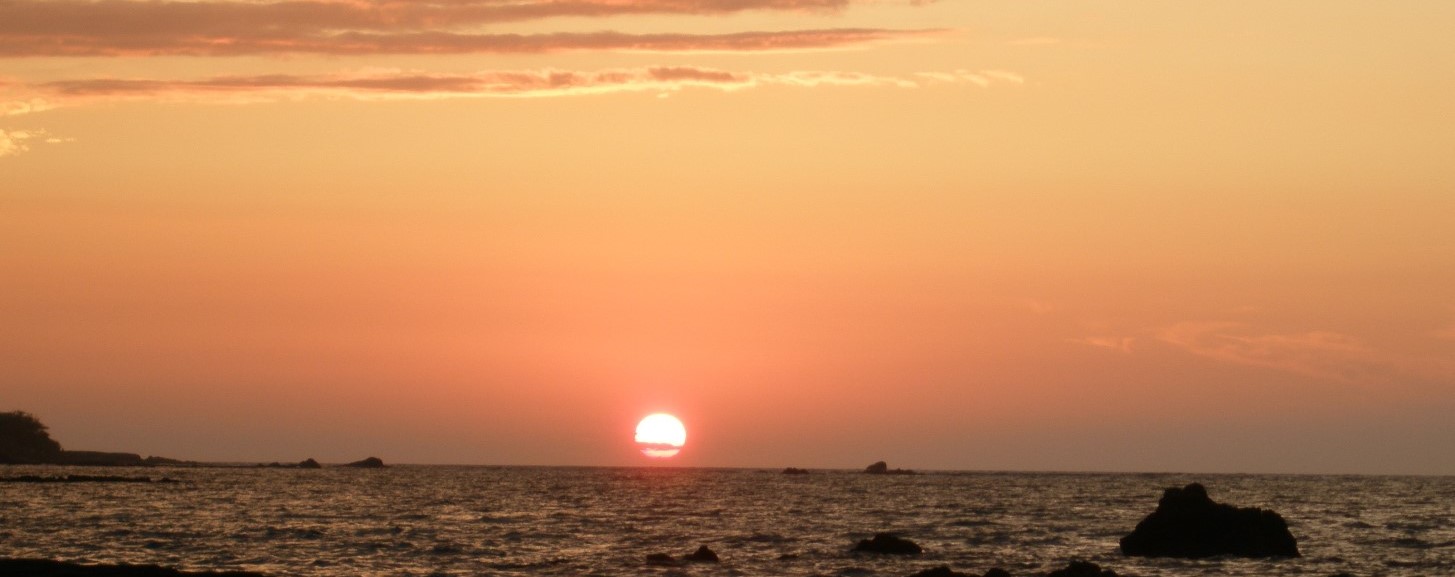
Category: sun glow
<point>660,436</point>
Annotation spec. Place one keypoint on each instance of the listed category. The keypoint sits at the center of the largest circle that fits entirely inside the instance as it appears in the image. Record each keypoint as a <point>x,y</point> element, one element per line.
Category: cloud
<point>15,142</point>
<point>232,28</point>
<point>1319,354</point>
<point>384,85</point>
<point>1120,344</point>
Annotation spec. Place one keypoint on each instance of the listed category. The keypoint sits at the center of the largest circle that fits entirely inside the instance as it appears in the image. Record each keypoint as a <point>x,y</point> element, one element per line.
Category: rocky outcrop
<point>702,555</point>
<point>47,568</point>
<point>309,463</point>
<point>888,543</point>
<point>1082,569</point>
<point>1187,523</point>
<point>795,471</point>
<point>369,463</point>
<point>882,468</point>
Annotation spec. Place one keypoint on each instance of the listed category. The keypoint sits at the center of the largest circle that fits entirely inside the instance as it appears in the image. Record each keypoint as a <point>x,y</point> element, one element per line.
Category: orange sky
<point>1193,236</point>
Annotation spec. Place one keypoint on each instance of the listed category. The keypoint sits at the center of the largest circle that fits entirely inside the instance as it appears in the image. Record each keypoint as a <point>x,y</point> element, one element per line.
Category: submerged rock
<point>1189,524</point>
<point>702,555</point>
<point>888,543</point>
<point>941,571</point>
<point>369,463</point>
<point>1082,569</point>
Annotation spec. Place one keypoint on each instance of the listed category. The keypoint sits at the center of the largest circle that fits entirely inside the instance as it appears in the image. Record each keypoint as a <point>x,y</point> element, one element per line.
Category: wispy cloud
<point>1318,354</point>
<point>1119,344</point>
<point>31,28</point>
<point>416,85</point>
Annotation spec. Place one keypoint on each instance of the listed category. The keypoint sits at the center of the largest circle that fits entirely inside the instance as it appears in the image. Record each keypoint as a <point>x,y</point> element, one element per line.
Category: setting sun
<point>660,436</point>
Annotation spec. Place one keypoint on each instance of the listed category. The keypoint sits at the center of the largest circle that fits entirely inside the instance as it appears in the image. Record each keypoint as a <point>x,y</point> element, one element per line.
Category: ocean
<point>435,520</point>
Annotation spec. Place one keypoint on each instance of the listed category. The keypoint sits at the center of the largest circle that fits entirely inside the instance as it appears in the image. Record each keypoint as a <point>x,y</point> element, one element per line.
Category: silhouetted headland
<point>882,468</point>
<point>24,440</point>
<point>47,568</point>
<point>1187,523</point>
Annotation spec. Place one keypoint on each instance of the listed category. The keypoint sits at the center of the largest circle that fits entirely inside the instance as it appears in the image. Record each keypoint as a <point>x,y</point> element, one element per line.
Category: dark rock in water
<point>795,471</point>
<point>997,572</point>
<point>1189,524</point>
<point>882,468</point>
<point>888,543</point>
<point>47,568</point>
<point>1082,569</point>
<point>661,559</point>
<point>941,571</point>
<point>369,463</point>
<point>702,555</point>
<point>309,464</point>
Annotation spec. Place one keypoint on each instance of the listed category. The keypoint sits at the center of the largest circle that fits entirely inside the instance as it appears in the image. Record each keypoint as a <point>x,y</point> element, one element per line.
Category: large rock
<point>309,463</point>
<point>1189,524</point>
<point>369,463</point>
<point>888,543</point>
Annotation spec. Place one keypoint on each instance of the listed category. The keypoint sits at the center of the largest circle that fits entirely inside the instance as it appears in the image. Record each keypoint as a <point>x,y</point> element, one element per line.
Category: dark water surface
<point>566,521</point>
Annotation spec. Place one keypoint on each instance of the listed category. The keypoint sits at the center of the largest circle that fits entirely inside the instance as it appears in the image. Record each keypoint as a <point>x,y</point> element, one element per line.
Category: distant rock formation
<point>99,459</point>
<point>888,543</point>
<point>1082,569</point>
<point>795,471</point>
<point>48,568</point>
<point>309,463</point>
<point>369,463</point>
<point>702,555</point>
<point>1189,524</point>
<point>882,468</point>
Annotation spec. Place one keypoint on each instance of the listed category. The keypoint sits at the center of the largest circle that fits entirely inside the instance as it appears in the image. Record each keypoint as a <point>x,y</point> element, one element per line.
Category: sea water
<point>429,520</point>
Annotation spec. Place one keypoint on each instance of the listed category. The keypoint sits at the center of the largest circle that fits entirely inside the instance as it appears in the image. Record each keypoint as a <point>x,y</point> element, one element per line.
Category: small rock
<point>882,468</point>
<point>889,543</point>
<point>309,464</point>
<point>795,471</point>
<point>702,555</point>
<point>1082,569</point>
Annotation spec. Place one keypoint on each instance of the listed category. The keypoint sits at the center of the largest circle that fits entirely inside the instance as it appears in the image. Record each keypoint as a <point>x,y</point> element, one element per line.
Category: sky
<point>949,234</point>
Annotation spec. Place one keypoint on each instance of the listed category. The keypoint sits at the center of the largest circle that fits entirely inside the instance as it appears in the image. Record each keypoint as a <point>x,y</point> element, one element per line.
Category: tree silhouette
<point>24,440</point>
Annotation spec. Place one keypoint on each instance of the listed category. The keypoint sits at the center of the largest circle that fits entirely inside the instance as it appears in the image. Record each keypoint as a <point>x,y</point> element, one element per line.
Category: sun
<point>660,436</point>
